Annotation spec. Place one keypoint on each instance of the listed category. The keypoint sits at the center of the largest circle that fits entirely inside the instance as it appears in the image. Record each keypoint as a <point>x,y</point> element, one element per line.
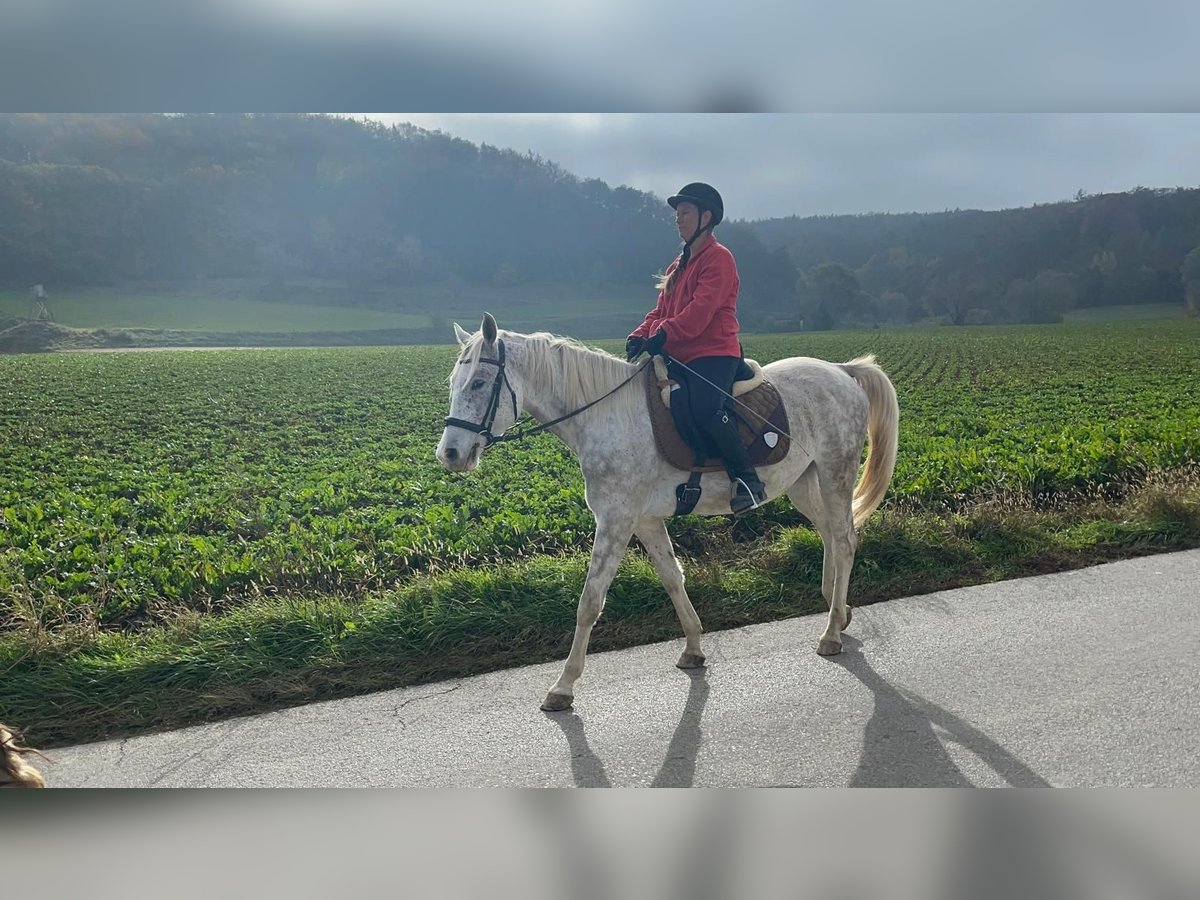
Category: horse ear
<point>488,328</point>
<point>463,336</point>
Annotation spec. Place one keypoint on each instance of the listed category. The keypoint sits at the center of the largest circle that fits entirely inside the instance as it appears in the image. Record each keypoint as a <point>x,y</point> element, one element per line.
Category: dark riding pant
<point>707,400</point>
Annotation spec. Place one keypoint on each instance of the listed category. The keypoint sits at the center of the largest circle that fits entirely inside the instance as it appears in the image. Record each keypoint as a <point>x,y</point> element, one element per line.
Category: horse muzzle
<point>459,459</point>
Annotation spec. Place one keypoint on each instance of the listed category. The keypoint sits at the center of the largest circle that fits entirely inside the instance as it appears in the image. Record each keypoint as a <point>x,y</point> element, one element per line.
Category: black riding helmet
<point>704,197</point>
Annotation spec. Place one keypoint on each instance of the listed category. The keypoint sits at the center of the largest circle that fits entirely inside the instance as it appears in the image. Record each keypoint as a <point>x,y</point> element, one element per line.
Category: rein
<point>484,428</point>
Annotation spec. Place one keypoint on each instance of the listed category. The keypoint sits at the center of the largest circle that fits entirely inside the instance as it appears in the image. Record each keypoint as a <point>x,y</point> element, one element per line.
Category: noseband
<point>489,417</point>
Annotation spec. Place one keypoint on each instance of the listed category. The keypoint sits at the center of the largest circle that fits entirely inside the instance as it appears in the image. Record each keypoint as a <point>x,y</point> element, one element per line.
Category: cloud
<point>779,164</point>
<point>591,56</point>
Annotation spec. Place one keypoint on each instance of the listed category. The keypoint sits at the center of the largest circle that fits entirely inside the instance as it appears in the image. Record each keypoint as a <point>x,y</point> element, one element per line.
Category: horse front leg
<point>612,538</point>
<point>657,541</point>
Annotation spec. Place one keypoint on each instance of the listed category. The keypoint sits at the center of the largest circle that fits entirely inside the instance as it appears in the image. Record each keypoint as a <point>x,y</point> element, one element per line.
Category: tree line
<point>91,200</point>
<point>1016,265</point>
<point>114,199</point>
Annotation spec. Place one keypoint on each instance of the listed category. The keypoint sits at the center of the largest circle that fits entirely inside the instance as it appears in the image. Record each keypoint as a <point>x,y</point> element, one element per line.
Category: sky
<point>788,107</point>
<point>600,56</point>
<point>781,164</point>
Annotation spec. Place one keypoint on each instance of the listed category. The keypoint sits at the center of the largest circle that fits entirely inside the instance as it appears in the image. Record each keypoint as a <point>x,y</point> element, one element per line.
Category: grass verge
<point>69,686</point>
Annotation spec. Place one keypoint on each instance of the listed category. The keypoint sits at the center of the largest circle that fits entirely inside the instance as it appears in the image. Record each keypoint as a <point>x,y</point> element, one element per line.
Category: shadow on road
<point>900,747</point>
<point>586,767</point>
<point>679,766</point>
<point>715,828</point>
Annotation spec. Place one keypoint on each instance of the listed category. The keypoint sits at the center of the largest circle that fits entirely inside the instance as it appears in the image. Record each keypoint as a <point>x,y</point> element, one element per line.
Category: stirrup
<point>746,498</point>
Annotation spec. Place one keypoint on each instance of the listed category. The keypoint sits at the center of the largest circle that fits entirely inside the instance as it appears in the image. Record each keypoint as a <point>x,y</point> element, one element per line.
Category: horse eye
<point>476,384</point>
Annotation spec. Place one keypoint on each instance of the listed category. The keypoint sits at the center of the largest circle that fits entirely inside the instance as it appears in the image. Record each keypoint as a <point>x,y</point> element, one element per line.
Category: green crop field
<point>106,309</point>
<point>228,307</point>
<point>139,487</point>
<point>1133,312</point>
<point>130,481</point>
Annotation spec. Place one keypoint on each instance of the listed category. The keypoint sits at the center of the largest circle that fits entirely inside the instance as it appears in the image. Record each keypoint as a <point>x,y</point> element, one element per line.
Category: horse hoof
<point>556,702</point>
<point>826,647</point>
<point>690,660</point>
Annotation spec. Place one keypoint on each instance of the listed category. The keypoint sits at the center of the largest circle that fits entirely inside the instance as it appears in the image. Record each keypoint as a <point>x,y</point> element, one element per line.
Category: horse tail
<point>14,770</point>
<point>883,430</point>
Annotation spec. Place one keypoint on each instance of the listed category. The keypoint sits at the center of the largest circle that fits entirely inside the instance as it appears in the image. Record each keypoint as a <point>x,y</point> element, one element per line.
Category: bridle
<point>489,417</point>
<point>484,428</point>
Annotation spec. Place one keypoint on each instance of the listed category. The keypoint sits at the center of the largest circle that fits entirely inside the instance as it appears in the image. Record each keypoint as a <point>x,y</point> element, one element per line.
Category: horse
<point>580,395</point>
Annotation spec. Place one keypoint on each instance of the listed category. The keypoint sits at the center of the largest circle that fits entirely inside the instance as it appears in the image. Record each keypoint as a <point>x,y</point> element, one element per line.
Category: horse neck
<point>559,378</point>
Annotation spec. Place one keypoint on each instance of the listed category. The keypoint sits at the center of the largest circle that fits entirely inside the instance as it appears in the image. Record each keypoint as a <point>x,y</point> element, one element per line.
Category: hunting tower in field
<point>38,310</point>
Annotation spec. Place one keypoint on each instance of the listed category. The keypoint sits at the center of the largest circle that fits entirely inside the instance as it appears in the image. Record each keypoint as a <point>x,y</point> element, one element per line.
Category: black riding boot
<point>748,491</point>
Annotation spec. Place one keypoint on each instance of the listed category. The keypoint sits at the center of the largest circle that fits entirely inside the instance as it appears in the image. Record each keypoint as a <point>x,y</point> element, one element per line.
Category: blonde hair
<point>663,281</point>
<point>14,770</point>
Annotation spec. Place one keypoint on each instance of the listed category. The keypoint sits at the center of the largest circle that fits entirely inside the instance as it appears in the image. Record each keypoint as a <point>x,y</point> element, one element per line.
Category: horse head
<point>484,397</point>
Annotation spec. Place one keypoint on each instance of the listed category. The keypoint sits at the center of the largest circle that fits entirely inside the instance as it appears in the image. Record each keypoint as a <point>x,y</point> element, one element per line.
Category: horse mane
<point>580,373</point>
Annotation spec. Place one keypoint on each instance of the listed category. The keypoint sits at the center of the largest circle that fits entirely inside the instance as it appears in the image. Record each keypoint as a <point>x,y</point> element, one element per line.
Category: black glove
<point>633,346</point>
<point>655,344</point>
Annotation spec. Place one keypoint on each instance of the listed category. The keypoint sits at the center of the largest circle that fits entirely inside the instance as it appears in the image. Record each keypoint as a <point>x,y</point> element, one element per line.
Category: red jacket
<point>699,315</point>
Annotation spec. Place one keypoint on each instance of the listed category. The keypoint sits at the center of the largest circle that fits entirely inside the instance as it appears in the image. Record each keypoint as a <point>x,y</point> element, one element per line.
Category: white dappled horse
<point>630,488</point>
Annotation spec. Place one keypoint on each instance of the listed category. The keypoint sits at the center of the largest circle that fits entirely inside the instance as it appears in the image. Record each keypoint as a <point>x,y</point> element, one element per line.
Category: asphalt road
<point>1085,678</point>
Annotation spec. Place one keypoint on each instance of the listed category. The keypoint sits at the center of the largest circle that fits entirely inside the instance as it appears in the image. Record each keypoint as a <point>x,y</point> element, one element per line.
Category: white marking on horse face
<point>459,449</point>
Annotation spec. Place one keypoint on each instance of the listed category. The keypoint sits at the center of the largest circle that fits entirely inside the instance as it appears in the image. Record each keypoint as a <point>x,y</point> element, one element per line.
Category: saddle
<point>761,420</point>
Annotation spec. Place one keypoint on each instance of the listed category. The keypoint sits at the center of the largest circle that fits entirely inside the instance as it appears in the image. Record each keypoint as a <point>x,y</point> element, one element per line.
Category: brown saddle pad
<point>765,403</point>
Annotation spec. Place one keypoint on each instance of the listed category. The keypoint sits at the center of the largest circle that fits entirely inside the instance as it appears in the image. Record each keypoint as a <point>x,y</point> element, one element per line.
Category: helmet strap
<point>687,247</point>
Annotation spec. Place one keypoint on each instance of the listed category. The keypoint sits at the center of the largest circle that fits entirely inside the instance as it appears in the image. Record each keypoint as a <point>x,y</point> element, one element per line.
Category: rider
<point>695,323</point>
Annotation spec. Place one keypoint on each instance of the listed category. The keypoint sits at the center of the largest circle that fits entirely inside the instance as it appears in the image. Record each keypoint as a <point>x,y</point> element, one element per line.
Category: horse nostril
<point>451,454</point>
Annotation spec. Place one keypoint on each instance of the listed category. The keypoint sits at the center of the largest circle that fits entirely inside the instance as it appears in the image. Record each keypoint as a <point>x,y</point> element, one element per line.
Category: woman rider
<point>695,323</point>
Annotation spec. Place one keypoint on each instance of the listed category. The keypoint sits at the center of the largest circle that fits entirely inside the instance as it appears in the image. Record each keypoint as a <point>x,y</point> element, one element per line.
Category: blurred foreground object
<point>14,770</point>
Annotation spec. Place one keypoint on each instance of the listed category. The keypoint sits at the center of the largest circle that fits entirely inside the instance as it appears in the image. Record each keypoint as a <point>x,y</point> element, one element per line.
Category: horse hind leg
<point>841,541</point>
<point>805,495</point>
<point>657,541</point>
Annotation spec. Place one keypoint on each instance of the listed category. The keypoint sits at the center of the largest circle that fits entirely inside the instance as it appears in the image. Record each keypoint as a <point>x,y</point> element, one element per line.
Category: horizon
<point>852,164</point>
